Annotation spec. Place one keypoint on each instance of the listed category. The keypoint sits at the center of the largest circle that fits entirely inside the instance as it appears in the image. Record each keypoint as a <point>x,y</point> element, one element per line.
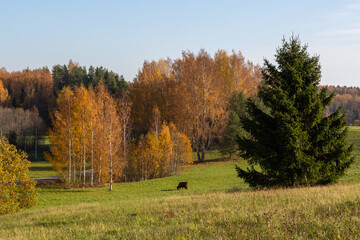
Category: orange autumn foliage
<point>192,92</point>
<point>159,155</point>
<point>86,137</point>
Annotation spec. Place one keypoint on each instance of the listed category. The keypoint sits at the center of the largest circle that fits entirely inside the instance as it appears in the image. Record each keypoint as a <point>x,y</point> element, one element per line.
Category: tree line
<point>91,144</point>
<point>171,108</point>
<point>104,129</point>
<point>196,82</point>
<point>193,92</point>
<point>39,87</point>
<point>349,98</point>
<point>28,97</point>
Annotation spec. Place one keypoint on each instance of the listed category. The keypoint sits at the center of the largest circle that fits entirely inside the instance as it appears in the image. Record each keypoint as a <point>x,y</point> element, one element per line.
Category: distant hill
<point>349,97</point>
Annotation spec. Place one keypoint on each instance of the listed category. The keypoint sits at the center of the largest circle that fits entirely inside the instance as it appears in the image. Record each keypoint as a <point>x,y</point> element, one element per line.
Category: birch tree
<point>112,133</point>
<point>61,135</point>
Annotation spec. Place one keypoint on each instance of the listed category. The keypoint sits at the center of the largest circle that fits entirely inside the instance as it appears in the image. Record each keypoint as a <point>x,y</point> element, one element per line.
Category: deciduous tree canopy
<point>86,137</point>
<point>17,190</point>
<point>192,92</point>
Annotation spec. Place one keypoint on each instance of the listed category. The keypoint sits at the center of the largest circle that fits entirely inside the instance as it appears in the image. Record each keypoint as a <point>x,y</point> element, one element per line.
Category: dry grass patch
<point>303,213</point>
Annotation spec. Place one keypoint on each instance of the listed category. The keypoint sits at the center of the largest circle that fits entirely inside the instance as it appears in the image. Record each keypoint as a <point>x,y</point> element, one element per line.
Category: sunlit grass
<point>303,213</point>
<point>353,173</point>
<point>40,169</point>
<point>218,205</point>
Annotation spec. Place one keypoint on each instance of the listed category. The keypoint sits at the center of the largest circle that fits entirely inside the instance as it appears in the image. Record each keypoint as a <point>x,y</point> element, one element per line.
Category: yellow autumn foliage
<point>4,95</point>
<point>17,190</point>
<point>159,155</point>
<point>86,138</point>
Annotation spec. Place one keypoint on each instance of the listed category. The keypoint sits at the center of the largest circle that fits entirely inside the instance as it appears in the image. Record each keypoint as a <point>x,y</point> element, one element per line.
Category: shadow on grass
<point>168,190</point>
<point>62,190</point>
<point>235,190</point>
<point>224,159</point>
<point>41,169</point>
<point>52,223</point>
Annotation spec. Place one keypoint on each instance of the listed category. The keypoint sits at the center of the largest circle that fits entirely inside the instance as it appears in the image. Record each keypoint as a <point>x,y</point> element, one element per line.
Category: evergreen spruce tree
<point>237,104</point>
<point>293,143</point>
<point>233,131</point>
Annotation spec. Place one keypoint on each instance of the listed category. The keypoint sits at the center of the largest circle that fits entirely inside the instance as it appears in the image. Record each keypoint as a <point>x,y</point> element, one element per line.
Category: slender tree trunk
<point>92,154</point>
<point>146,171</point>
<point>124,145</point>
<point>198,154</point>
<point>74,165</point>
<point>142,171</point>
<point>203,148</point>
<point>92,140</point>
<point>84,149</point>
<point>24,142</point>
<point>203,123</point>
<point>1,119</point>
<point>69,176</point>
<point>110,158</point>
<point>203,155</point>
<point>36,133</point>
<point>100,170</point>
<point>84,163</point>
<point>70,145</point>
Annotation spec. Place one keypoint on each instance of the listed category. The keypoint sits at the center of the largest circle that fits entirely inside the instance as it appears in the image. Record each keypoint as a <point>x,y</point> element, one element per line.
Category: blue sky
<point>120,35</point>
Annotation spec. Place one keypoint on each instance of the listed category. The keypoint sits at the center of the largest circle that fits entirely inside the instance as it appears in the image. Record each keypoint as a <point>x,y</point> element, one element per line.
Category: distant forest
<point>193,92</point>
<point>121,131</point>
<point>349,97</point>
<point>28,97</point>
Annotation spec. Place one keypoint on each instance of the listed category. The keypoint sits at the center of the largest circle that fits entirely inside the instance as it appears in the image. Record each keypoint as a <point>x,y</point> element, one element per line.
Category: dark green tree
<point>114,82</point>
<point>73,75</point>
<point>233,131</point>
<point>238,103</point>
<point>293,144</point>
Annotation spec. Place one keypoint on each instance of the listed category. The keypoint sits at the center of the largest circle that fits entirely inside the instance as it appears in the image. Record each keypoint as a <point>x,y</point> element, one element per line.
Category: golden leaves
<point>86,136</point>
<point>17,190</point>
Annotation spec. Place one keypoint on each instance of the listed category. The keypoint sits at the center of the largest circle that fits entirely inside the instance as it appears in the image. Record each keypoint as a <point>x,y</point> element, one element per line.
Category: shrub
<point>17,190</point>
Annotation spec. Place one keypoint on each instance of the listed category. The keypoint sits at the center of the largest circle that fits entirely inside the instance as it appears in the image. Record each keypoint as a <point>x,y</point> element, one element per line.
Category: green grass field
<point>218,205</point>
<point>40,169</point>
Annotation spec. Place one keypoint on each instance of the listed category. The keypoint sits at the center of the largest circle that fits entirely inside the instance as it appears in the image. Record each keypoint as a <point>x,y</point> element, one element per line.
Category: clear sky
<point>120,35</point>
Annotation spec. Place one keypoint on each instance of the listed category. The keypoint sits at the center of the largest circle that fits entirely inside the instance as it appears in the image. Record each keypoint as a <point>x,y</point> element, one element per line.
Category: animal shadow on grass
<point>167,190</point>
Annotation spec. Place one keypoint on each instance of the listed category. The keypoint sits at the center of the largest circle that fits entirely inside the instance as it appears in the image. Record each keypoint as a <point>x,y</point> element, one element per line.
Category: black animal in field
<point>182,185</point>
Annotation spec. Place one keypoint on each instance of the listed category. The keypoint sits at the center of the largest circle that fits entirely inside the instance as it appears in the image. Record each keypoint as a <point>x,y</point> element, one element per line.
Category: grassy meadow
<point>218,205</point>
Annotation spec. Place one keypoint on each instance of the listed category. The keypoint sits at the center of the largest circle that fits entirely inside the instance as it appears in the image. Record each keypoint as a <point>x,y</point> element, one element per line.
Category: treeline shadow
<point>41,169</point>
<point>223,159</point>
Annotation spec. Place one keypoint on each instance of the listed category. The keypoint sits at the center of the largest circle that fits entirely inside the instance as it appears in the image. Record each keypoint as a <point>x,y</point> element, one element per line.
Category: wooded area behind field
<point>187,101</point>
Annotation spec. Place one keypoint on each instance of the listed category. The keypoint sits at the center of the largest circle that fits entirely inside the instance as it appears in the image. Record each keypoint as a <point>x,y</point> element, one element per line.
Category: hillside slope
<point>217,205</point>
